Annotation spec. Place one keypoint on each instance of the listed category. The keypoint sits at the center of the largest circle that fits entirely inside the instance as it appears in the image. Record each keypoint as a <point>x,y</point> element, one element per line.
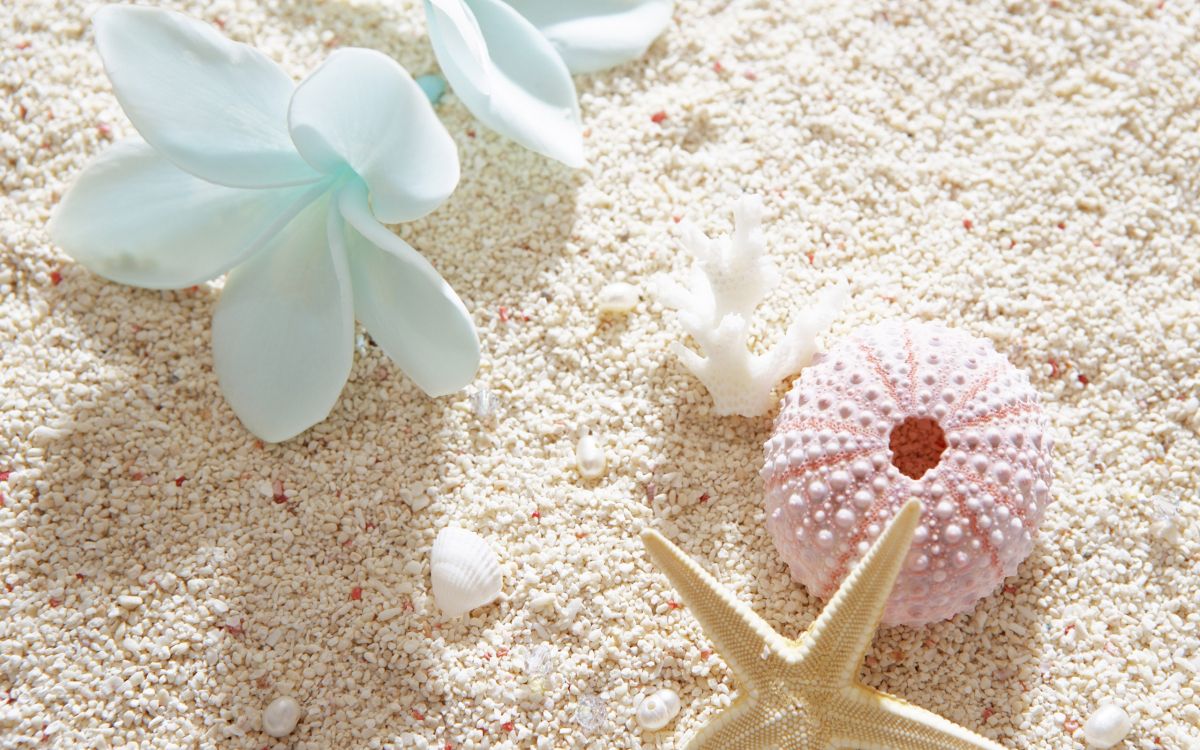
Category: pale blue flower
<point>285,187</point>
<point>511,62</point>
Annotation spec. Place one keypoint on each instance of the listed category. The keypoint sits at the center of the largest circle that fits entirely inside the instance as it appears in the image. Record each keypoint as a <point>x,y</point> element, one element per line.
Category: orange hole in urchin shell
<point>917,445</point>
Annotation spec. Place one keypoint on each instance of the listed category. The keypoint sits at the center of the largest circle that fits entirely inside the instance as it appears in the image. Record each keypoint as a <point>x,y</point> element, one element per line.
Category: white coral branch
<point>729,280</point>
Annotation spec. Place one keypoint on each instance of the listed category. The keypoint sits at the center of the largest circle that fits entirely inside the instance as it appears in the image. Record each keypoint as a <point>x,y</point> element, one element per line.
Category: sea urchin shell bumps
<point>903,410</point>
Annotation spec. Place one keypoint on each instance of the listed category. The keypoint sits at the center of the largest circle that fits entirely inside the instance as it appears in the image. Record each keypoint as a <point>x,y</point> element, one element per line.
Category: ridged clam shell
<point>464,570</point>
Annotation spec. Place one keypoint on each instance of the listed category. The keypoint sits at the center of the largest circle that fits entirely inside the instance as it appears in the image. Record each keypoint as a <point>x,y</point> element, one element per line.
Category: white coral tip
<point>729,280</point>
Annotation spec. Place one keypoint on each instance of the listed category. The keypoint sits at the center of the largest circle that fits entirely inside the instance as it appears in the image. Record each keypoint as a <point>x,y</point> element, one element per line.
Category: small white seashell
<point>1107,726</point>
<point>657,709</point>
<point>617,298</point>
<point>541,601</point>
<point>464,570</point>
<point>280,716</point>
<point>590,458</point>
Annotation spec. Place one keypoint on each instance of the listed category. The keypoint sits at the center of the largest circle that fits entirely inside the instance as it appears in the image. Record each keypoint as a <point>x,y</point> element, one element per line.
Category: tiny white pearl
<point>1107,726</point>
<point>617,298</point>
<point>280,716</point>
<point>590,458</point>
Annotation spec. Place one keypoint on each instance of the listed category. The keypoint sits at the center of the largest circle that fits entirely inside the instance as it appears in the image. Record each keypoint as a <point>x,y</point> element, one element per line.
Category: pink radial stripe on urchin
<point>904,410</point>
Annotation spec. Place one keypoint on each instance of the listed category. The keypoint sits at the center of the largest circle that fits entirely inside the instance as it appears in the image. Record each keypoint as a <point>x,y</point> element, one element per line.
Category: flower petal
<point>593,35</point>
<point>283,330</point>
<point>136,218</point>
<point>216,108</point>
<point>508,75</point>
<point>362,109</point>
<point>409,310</point>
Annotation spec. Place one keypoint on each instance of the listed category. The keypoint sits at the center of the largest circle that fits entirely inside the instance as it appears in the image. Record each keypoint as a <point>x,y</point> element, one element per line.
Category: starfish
<point>805,694</point>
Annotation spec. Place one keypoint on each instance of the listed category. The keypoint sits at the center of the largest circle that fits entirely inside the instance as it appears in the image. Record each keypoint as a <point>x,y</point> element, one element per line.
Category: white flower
<point>511,62</point>
<point>284,187</point>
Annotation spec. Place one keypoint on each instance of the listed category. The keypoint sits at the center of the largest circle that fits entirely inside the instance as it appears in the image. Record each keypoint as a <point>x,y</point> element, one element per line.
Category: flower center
<point>917,445</point>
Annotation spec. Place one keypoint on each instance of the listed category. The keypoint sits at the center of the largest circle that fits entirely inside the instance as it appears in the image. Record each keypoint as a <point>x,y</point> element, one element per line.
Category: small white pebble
<point>617,298</point>
<point>1107,726</point>
<point>573,608</point>
<point>128,601</point>
<point>550,200</point>
<point>389,614</point>
<point>44,434</point>
<point>280,716</point>
<point>590,458</point>
<point>541,601</point>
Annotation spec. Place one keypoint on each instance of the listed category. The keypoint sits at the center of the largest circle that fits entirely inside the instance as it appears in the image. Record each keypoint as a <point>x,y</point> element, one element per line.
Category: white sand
<point>1066,134</point>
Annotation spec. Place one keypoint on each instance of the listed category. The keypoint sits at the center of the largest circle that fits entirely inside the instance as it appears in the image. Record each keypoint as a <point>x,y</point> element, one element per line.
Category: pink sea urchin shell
<point>901,410</point>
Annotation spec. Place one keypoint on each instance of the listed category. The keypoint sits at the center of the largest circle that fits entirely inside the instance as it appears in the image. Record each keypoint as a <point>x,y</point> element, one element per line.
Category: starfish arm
<point>836,642</point>
<point>745,641</point>
<point>871,720</point>
<point>746,725</point>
